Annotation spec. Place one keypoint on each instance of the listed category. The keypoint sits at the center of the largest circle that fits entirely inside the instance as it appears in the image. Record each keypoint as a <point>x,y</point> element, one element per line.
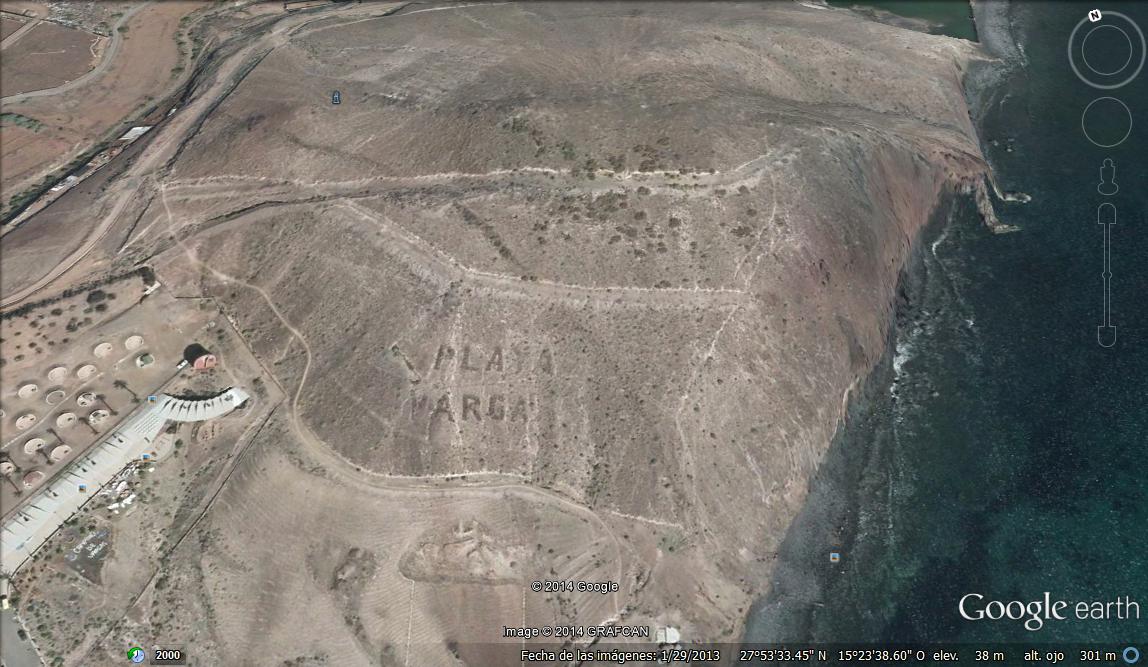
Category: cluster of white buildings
<point>54,503</point>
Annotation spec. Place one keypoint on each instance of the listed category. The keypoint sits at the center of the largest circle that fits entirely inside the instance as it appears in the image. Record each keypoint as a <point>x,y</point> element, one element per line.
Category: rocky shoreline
<point>830,516</point>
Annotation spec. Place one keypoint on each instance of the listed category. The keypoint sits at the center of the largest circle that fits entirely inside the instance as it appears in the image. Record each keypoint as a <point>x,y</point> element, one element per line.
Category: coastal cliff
<point>619,268</point>
<point>688,220</point>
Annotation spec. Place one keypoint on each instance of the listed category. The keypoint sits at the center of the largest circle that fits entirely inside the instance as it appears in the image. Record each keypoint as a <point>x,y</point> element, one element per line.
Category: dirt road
<point>170,138</point>
<point>29,23</point>
<point>101,67</point>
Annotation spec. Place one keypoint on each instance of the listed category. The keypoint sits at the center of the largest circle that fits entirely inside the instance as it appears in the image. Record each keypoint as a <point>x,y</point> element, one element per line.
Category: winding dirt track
<point>350,473</point>
<point>99,70</point>
<point>178,129</point>
<point>153,159</point>
<point>146,176</point>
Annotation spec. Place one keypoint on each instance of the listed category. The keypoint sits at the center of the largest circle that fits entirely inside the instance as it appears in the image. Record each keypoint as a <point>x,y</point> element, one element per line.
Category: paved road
<point>15,652</point>
<point>29,23</point>
<point>101,67</point>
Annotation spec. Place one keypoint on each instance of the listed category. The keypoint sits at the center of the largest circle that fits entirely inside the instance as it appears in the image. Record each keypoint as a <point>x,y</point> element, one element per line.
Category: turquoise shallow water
<point>1003,452</point>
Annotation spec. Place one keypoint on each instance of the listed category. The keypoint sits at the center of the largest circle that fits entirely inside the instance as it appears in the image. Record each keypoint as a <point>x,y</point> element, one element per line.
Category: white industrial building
<point>26,530</point>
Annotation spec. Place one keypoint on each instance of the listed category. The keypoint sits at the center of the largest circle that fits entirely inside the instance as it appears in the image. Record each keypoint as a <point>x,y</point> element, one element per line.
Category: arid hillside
<point>636,253</point>
<point>627,260</point>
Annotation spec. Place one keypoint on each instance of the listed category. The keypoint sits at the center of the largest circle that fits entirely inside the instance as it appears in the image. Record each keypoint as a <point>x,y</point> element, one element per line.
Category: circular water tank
<point>102,350</point>
<point>86,372</point>
<point>26,421</point>
<point>85,399</point>
<point>145,360</point>
<point>59,453</point>
<point>57,374</point>
<point>28,390</point>
<point>134,342</point>
<point>98,417</point>
<point>34,445</point>
<point>66,420</point>
<point>7,467</point>
<point>33,478</point>
<point>55,397</point>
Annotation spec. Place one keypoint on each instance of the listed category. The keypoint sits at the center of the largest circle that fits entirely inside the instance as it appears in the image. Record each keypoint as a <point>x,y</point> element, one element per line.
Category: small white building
<point>30,527</point>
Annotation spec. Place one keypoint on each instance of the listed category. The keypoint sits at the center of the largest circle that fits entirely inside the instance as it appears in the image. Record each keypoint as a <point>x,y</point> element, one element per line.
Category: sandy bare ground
<point>9,26</point>
<point>156,156</point>
<point>138,66</point>
<point>24,148</point>
<point>105,54</point>
<point>50,56</point>
<point>544,214</point>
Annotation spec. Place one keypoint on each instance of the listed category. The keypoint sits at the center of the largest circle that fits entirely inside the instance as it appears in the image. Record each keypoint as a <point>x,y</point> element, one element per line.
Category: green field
<point>950,17</point>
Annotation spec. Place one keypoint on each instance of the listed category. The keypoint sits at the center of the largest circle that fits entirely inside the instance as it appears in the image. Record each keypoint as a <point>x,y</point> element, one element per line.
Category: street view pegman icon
<point>1108,186</point>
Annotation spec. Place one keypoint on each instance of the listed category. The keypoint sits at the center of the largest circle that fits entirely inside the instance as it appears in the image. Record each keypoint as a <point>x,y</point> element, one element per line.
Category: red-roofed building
<point>205,362</point>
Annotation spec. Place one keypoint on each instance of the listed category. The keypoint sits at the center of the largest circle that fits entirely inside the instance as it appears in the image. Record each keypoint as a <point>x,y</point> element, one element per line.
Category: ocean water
<point>1000,450</point>
<point>948,17</point>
